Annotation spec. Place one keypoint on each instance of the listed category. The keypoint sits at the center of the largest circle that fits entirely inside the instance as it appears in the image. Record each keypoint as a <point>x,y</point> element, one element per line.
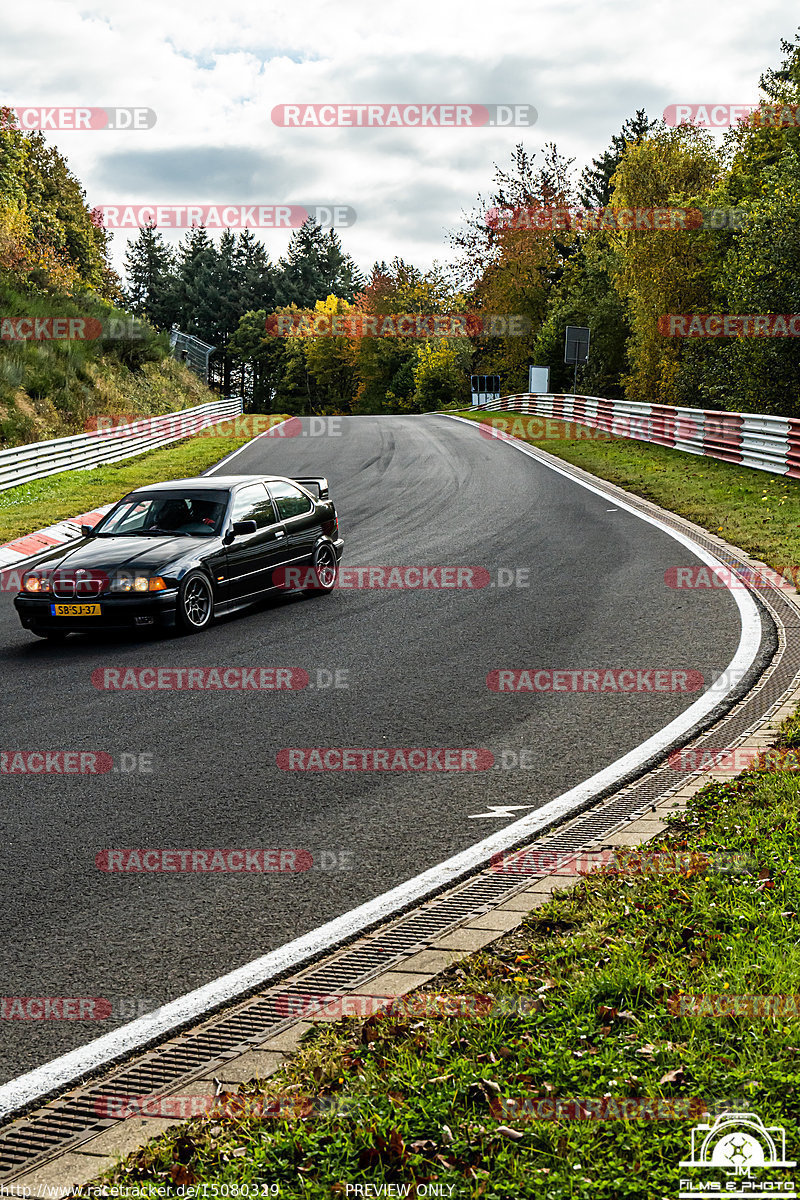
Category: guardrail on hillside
<point>756,440</point>
<point>36,460</point>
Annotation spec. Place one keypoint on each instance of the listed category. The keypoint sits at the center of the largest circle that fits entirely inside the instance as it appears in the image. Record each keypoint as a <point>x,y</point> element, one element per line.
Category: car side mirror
<point>87,530</point>
<point>237,529</point>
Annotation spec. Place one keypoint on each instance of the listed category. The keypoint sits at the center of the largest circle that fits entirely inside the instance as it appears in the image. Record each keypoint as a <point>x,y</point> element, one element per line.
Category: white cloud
<point>214,72</point>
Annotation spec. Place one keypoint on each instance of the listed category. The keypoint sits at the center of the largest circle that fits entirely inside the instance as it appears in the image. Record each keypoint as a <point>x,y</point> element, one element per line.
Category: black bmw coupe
<point>178,554</point>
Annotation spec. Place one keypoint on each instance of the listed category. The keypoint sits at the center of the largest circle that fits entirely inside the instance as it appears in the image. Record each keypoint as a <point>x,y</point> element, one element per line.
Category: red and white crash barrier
<point>757,440</point>
<point>14,554</point>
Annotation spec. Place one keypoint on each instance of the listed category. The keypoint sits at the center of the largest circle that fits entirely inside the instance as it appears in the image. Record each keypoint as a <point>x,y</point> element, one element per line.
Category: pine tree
<point>315,266</point>
<point>595,180</point>
<point>149,266</point>
<point>255,275</point>
<point>216,311</point>
<point>196,255</point>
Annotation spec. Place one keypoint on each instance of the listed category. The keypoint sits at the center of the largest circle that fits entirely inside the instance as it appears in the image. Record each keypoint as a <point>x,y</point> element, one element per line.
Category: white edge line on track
<point>267,433</point>
<point>71,1067</point>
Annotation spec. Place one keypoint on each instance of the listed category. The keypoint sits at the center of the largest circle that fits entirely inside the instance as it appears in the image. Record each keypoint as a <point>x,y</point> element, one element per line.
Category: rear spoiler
<point>317,484</point>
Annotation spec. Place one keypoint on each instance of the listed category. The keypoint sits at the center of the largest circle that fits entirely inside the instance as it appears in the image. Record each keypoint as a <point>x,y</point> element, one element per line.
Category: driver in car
<point>172,515</point>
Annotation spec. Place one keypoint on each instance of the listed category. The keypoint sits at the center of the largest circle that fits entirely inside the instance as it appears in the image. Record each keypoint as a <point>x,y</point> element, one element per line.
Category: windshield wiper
<point>165,532</point>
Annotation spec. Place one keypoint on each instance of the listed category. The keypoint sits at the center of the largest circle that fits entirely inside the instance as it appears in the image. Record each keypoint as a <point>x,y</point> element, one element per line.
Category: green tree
<point>149,267</point>
<point>663,271</point>
<point>441,374</point>
<point>262,359</point>
<point>595,181</point>
<point>255,275</point>
<point>315,266</point>
<point>587,296</point>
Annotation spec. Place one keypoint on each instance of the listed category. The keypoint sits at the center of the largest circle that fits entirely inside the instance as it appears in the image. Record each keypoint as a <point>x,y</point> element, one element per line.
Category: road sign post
<point>484,387</point>
<point>576,348</point>
<point>538,380</point>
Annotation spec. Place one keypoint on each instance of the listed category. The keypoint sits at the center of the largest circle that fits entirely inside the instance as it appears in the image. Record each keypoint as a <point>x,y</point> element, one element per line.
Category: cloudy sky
<point>214,72</point>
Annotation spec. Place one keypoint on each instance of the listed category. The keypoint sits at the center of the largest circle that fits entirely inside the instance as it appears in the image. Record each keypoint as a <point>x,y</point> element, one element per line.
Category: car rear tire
<point>195,610</point>
<point>325,566</point>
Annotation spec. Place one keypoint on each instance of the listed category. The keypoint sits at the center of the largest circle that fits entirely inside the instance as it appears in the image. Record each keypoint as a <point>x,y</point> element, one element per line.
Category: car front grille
<point>78,584</point>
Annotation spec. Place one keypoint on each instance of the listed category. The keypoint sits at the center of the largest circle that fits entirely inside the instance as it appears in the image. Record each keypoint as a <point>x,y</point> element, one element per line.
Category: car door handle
<point>280,533</point>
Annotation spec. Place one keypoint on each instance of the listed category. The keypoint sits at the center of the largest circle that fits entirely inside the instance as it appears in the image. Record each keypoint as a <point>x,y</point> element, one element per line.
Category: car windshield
<point>176,514</point>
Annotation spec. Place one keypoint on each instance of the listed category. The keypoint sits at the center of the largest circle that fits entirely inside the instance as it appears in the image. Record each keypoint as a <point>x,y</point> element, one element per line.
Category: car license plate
<point>75,610</point>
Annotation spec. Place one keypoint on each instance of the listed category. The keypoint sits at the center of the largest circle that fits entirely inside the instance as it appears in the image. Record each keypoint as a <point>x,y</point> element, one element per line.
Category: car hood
<point>143,553</point>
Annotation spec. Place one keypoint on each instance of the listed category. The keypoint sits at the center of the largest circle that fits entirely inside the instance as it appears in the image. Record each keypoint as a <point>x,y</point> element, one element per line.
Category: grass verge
<point>753,509</point>
<point>599,968</point>
<point>44,501</point>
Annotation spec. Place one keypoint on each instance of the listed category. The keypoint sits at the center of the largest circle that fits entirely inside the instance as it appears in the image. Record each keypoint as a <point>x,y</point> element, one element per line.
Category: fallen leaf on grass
<point>181,1175</point>
<point>507,1132</point>
<point>676,1076</point>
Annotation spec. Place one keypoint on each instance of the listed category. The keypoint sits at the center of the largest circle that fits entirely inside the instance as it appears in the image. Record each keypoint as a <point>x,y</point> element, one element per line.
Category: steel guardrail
<point>758,440</point>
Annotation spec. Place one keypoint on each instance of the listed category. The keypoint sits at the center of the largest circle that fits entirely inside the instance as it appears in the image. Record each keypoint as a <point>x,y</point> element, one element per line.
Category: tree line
<point>618,281</point>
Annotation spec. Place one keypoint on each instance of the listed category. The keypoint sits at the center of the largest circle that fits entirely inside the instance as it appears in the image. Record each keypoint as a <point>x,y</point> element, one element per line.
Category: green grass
<point>44,501</point>
<point>753,509</point>
<point>598,966</point>
<point>53,388</point>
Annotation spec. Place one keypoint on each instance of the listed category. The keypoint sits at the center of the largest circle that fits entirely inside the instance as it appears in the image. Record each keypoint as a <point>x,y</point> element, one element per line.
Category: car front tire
<point>195,607</point>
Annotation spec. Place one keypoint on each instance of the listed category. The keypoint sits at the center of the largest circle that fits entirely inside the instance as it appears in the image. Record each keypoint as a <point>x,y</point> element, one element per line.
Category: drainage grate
<point>76,1116</point>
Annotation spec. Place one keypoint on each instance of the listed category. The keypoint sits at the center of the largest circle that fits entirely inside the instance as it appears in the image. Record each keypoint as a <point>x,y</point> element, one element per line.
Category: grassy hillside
<point>50,388</point>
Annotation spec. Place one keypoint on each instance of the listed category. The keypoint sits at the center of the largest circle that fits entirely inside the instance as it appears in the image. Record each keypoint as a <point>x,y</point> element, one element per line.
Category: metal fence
<point>21,464</point>
<point>756,440</point>
<point>191,350</point>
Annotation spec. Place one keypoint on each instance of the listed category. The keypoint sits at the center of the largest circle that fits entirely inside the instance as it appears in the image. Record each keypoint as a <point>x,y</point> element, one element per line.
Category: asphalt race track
<point>409,491</point>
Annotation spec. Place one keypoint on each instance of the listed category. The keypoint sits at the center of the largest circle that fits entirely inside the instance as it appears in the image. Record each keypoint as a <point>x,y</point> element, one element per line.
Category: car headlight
<point>138,583</point>
<point>35,583</point>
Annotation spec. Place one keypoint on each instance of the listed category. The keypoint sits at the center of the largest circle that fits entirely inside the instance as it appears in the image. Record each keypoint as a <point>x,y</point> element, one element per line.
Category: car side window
<point>290,501</point>
<point>252,503</point>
